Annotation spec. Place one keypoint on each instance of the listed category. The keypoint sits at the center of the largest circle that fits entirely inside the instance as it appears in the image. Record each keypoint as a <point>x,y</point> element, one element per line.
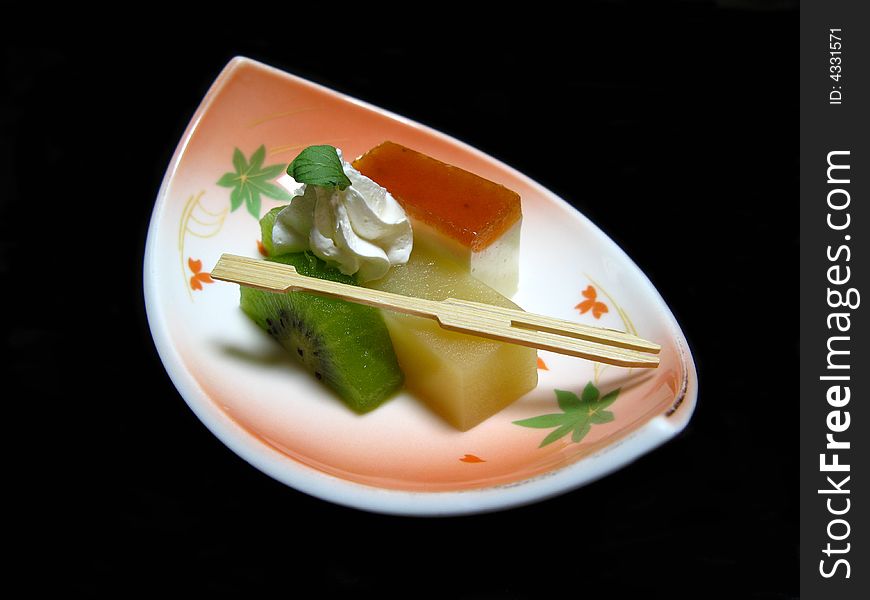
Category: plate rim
<point>304,478</point>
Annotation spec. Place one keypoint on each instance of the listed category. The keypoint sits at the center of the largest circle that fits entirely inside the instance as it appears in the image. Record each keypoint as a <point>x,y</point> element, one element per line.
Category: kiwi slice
<point>266,225</point>
<point>344,345</point>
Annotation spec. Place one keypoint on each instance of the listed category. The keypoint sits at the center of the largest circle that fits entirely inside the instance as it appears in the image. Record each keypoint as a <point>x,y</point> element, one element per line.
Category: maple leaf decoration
<point>198,276</point>
<point>471,458</point>
<point>250,180</point>
<point>577,416</point>
<point>592,303</point>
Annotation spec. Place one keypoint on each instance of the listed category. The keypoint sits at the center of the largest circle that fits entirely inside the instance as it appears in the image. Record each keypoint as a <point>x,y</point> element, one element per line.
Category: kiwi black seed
<point>293,332</point>
<point>344,345</point>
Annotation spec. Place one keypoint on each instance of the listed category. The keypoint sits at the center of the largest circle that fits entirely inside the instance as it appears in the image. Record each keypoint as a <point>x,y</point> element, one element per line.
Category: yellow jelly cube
<point>465,379</point>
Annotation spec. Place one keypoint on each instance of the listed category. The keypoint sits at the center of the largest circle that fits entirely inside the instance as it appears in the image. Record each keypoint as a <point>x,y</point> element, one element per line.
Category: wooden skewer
<point>503,324</point>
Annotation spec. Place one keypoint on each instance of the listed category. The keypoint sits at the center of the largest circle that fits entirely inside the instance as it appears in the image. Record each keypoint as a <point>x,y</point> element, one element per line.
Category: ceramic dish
<point>400,458</point>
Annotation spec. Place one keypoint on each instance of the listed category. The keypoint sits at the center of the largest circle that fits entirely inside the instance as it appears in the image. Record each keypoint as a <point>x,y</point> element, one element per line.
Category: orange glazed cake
<point>471,219</point>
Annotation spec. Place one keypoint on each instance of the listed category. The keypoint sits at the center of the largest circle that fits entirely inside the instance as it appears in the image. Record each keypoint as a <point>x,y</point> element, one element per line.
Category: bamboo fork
<point>503,324</point>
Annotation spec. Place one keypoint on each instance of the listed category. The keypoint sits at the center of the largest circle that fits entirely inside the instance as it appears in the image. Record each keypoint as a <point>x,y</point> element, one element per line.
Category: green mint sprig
<point>319,165</point>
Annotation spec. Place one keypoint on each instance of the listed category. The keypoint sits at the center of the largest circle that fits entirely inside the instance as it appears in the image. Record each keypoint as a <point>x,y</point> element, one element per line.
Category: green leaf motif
<point>568,401</point>
<point>257,158</point>
<point>227,180</point>
<point>578,414</point>
<point>556,434</point>
<point>251,180</point>
<point>590,393</point>
<point>580,431</point>
<point>608,398</point>
<point>319,165</point>
<point>271,172</point>
<point>239,162</point>
<point>236,197</point>
<point>543,422</point>
<point>603,416</point>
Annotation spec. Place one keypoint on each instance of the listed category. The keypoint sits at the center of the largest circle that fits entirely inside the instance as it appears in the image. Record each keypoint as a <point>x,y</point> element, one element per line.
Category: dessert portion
<point>463,216</point>
<point>463,378</point>
<point>345,345</point>
<point>344,226</point>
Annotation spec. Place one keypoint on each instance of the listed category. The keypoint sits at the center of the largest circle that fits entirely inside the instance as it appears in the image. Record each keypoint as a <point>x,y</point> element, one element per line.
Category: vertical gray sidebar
<point>835,299</point>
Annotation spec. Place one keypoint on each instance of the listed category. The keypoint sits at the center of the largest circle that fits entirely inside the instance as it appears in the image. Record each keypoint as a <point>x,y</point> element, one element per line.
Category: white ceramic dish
<point>400,458</point>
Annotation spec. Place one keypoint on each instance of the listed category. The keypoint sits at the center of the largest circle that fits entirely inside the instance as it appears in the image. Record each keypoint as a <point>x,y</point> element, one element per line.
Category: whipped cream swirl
<point>361,229</point>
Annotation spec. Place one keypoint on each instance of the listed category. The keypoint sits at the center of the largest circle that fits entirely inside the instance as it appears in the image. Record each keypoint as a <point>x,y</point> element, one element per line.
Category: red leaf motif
<point>195,265</point>
<point>599,309</point>
<point>542,365</point>
<point>261,248</point>
<point>198,277</point>
<point>592,303</point>
<point>471,458</point>
<point>585,305</point>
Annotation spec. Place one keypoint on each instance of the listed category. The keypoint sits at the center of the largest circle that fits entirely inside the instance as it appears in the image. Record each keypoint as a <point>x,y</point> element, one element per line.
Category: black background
<point>674,129</point>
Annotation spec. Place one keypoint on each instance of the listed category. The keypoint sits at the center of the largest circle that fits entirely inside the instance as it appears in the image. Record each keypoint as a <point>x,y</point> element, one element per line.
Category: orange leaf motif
<point>542,365</point>
<point>261,248</point>
<point>195,265</point>
<point>198,277</point>
<point>592,303</point>
<point>470,458</point>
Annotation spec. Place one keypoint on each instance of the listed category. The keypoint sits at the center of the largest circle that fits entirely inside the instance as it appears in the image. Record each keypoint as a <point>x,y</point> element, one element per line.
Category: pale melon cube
<point>463,378</point>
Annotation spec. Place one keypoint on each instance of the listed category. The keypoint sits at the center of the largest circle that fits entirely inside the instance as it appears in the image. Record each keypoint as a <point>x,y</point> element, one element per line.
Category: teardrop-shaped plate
<point>400,458</point>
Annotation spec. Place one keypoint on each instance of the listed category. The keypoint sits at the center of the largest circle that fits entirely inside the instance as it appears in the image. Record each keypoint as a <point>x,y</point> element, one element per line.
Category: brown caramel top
<point>464,206</point>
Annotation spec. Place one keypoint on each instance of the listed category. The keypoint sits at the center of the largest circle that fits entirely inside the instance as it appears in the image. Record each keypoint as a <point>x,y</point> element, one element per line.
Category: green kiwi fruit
<point>266,225</point>
<point>344,345</point>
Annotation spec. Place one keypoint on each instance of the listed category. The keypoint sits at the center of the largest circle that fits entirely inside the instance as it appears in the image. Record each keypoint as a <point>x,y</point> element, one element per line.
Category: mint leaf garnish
<point>319,165</point>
